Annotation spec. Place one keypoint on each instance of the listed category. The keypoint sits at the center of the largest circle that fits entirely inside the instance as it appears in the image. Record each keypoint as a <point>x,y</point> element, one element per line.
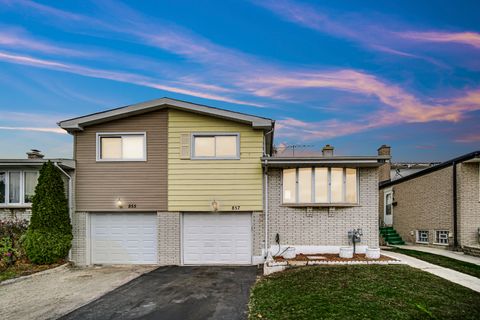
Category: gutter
<point>266,209</point>
<point>70,199</point>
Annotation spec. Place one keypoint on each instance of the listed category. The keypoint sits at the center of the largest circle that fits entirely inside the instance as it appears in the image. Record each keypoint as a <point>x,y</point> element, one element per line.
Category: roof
<point>342,161</point>
<point>68,164</point>
<point>77,124</point>
<point>469,157</point>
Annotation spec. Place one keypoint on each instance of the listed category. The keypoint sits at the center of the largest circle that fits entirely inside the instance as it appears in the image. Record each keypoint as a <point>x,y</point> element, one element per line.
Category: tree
<point>49,234</point>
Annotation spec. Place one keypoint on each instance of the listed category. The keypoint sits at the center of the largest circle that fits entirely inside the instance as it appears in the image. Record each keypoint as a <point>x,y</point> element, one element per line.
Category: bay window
<point>320,185</point>
<point>17,187</point>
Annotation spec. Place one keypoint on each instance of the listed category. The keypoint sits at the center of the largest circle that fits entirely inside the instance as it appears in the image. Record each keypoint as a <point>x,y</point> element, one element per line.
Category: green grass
<point>460,266</point>
<point>361,292</point>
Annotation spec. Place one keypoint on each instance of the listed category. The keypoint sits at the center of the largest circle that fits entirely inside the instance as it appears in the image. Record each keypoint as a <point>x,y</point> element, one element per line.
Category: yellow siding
<point>194,184</point>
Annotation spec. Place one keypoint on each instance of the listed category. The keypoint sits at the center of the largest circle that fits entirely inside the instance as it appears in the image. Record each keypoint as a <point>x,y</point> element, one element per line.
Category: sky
<point>353,74</point>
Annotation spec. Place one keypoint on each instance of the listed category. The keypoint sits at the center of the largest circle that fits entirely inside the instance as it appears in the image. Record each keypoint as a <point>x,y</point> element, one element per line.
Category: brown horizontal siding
<point>100,184</point>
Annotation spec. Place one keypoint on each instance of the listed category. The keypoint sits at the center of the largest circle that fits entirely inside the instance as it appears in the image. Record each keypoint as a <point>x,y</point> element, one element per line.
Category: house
<point>314,202</point>
<point>18,179</point>
<point>403,169</point>
<point>169,182</point>
<point>437,206</point>
<point>175,183</point>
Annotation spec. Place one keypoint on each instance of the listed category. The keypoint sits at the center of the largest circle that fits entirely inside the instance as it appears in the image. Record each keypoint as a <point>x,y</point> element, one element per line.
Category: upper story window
<point>320,185</point>
<point>216,146</point>
<point>121,146</point>
<point>17,187</point>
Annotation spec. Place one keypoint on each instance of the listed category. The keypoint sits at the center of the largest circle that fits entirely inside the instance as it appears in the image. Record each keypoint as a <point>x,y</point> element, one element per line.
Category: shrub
<point>45,247</point>
<point>11,231</point>
<point>7,253</point>
<point>49,234</point>
<point>49,204</point>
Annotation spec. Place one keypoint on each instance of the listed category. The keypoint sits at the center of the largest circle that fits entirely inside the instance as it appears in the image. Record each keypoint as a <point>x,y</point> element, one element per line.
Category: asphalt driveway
<point>177,293</point>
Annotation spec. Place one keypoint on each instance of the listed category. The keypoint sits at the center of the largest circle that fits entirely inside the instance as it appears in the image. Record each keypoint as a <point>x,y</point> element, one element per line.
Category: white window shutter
<point>185,146</point>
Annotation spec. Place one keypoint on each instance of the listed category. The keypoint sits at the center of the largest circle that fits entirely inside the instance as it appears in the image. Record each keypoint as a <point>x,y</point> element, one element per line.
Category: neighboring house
<point>169,182</point>
<point>438,206</point>
<point>175,183</point>
<point>402,169</point>
<point>18,179</point>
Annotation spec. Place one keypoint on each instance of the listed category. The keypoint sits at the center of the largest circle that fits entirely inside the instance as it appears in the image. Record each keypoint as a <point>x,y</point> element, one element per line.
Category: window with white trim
<point>216,146</point>
<point>422,236</point>
<point>17,187</point>
<point>441,236</point>
<point>121,147</point>
<point>320,185</point>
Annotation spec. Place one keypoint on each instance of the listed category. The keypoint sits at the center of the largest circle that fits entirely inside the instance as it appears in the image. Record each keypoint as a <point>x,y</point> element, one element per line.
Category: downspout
<point>266,208</point>
<point>70,200</point>
<point>455,213</point>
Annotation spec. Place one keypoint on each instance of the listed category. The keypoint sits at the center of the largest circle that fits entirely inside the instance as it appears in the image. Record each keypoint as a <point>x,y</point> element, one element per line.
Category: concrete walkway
<point>443,252</point>
<point>445,273</point>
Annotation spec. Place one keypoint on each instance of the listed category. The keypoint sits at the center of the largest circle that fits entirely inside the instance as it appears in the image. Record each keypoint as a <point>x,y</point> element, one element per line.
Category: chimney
<point>35,154</point>
<point>327,151</point>
<point>384,169</point>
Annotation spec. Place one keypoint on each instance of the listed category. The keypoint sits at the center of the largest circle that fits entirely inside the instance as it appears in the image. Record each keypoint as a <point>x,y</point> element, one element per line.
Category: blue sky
<point>352,74</point>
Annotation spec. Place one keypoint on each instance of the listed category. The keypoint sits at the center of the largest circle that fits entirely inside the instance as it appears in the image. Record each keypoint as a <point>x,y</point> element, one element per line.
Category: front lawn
<point>460,266</point>
<point>361,292</point>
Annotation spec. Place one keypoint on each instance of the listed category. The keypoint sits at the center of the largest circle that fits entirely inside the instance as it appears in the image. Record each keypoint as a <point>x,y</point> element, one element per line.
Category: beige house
<point>437,206</point>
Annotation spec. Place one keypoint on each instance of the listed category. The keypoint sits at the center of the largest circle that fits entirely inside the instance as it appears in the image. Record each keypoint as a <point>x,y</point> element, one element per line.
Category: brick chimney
<point>327,151</point>
<point>384,170</point>
<point>35,154</point>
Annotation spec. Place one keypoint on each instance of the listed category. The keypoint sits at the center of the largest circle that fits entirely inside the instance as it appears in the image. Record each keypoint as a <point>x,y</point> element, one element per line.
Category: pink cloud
<point>468,38</point>
<point>469,138</point>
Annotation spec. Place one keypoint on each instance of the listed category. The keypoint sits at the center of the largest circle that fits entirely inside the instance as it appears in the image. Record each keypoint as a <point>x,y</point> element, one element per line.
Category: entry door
<point>388,208</point>
<point>123,238</point>
<point>215,238</point>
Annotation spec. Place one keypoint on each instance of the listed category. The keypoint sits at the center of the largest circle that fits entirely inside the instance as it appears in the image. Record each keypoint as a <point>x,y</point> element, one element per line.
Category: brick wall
<point>79,242</point>
<point>323,226</point>
<point>258,233</point>
<point>468,203</point>
<point>12,214</point>
<point>169,234</point>
<point>423,203</point>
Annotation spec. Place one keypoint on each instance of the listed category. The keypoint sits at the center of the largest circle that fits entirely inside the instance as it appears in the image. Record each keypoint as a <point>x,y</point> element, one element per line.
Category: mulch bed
<point>330,257</point>
<point>25,268</point>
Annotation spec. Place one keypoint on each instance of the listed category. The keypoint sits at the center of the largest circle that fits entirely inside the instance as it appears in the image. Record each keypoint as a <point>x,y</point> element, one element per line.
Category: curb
<point>33,275</point>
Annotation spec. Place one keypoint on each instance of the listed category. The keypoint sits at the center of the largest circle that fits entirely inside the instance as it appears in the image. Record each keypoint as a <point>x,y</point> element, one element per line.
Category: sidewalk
<point>448,274</point>
<point>443,252</point>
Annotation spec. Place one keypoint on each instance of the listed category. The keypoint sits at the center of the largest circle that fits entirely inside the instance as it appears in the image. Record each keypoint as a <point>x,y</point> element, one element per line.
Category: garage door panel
<point>120,238</point>
<point>217,238</point>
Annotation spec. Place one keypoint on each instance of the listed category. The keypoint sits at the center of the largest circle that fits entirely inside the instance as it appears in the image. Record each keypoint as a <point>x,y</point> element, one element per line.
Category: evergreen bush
<point>49,234</point>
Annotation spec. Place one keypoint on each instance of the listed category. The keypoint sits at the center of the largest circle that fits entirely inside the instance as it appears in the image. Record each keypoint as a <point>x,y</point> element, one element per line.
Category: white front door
<point>217,238</point>
<point>388,208</point>
<point>123,238</point>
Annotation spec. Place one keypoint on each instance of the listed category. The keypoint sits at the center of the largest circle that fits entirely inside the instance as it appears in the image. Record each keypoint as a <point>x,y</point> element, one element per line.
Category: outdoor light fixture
<point>215,205</point>
<point>119,203</point>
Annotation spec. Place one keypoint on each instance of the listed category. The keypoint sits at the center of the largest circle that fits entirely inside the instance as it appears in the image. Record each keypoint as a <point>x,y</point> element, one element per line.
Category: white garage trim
<point>122,238</point>
<point>216,239</point>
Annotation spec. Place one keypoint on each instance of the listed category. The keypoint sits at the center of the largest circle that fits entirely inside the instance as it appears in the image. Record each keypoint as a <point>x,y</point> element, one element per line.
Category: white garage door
<point>217,238</point>
<point>119,238</point>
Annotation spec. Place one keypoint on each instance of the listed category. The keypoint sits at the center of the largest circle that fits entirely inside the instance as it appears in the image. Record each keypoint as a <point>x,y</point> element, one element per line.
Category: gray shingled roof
<point>77,124</point>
